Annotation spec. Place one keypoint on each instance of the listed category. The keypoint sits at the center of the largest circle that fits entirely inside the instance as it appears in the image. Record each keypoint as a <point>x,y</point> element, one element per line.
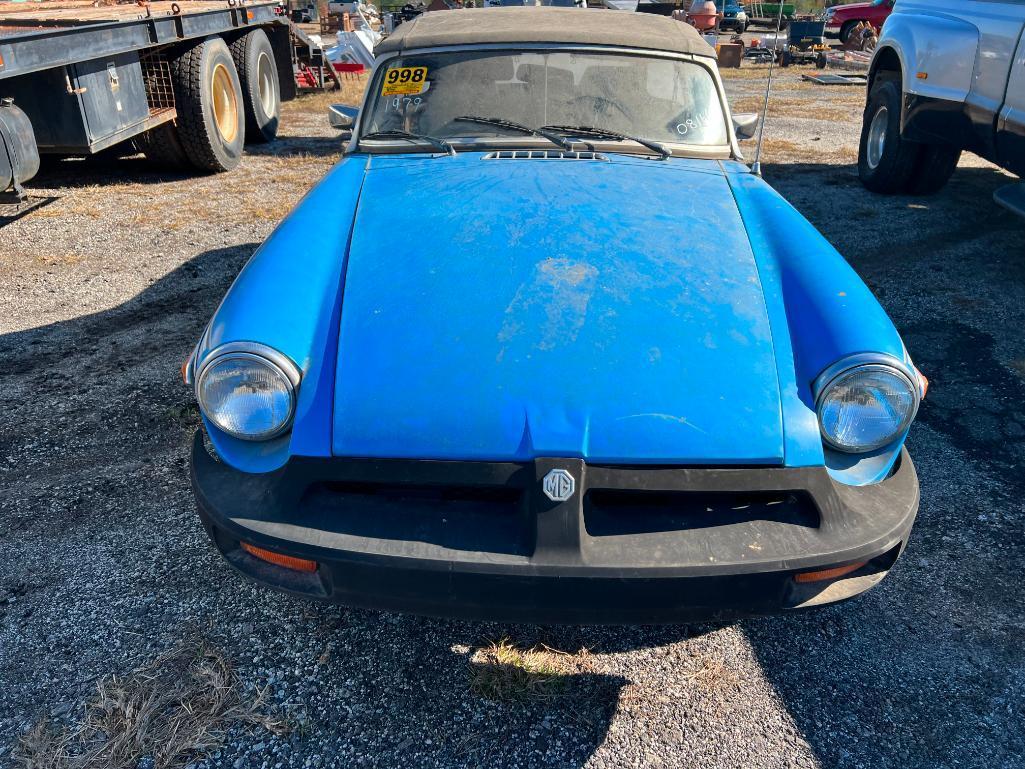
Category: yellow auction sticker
<point>404,80</point>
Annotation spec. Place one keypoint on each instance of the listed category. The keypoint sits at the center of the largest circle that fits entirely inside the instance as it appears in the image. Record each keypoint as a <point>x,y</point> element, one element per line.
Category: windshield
<point>661,100</point>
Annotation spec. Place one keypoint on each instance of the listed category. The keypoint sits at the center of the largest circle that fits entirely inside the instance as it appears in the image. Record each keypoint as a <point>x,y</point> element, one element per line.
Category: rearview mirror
<point>745,125</point>
<point>341,116</point>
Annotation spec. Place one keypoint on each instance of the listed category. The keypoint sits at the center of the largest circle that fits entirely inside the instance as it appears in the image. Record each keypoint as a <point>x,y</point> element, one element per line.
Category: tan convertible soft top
<point>475,26</point>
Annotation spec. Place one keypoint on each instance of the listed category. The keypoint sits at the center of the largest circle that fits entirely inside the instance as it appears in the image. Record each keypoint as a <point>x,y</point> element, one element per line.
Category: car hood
<point>507,309</point>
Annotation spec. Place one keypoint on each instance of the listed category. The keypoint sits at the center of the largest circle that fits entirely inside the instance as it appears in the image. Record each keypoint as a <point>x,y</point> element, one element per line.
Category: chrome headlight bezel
<point>261,354</point>
<point>865,362</point>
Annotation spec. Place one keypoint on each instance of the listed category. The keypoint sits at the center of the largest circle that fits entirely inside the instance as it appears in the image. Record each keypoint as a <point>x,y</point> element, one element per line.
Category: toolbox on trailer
<point>103,102</point>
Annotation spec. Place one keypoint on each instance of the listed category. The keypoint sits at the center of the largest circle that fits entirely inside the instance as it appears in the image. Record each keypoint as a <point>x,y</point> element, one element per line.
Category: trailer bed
<point>38,36</point>
<point>41,15</point>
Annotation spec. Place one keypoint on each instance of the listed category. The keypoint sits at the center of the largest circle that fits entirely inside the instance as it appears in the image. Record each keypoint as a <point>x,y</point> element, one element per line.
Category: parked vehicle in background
<point>841,19</point>
<point>734,16</point>
<point>459,400</point>
<point>947,76</point>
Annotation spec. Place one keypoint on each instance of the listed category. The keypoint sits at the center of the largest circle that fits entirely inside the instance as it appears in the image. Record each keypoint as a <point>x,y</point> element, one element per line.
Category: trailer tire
<point>261,91</point>
<point>162,147</point>
<point>211,123</point>
<point>935,166</point>
<point>886,160</point>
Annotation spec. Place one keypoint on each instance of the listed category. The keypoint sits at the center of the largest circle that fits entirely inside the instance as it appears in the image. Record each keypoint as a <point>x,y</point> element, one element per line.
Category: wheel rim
<point>265,82</point>
<point>877,137</point>
<point>225,105</point>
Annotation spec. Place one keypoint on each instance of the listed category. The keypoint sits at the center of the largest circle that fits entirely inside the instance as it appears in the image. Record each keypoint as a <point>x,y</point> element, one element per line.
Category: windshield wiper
<point>605,133</point>
<point>555,139</point>
<point>435,142</point>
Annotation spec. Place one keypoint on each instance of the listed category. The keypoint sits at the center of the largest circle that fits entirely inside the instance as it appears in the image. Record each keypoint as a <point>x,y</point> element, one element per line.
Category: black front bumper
<point>631,544</point>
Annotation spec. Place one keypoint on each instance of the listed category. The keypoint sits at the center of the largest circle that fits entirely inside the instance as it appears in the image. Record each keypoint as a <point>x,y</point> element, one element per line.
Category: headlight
<point>248,390</point>
<point>865,406</point>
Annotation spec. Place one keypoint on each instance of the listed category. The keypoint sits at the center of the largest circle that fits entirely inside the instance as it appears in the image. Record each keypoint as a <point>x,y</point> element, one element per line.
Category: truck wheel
<point>886,161</point>
<point>845,31</point>
<point>936,164</point>
<point>209,100</point>
<point>162,147</point>
<point>258,78</point>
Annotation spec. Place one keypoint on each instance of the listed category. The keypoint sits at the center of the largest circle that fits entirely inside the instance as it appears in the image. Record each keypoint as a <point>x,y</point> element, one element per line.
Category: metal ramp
<point>312,70</point>
<point>836,79</point>
<point>1012,197</point>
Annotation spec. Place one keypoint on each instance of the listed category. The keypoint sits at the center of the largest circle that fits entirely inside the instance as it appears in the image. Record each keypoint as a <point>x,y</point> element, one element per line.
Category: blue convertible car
<point>541,347</point>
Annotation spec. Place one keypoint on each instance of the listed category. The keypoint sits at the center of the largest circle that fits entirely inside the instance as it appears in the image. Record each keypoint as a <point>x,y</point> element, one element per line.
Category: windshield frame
<point>358,145</point>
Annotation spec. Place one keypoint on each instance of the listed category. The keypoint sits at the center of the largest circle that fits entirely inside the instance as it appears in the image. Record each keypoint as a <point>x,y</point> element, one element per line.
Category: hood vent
<point>544,155</point>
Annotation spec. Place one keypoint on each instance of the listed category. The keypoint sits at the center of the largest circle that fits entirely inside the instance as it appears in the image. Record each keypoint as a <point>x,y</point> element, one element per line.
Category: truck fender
<point>937,54</point>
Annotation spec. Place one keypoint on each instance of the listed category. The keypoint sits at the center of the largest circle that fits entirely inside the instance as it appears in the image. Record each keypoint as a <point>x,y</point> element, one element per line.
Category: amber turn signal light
<point>285,561</point>
<point>821,576</point>
<point>925,382</point>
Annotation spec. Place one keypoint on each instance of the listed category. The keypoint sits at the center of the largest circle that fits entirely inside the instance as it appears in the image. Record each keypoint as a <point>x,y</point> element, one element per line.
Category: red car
<point>840,19</point>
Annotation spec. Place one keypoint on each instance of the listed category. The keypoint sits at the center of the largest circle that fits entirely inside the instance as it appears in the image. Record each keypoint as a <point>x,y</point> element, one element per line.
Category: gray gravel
<point>105,564</point>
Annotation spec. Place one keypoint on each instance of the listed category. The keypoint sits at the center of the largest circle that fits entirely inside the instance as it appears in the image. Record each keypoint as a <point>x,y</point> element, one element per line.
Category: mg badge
<point>558,485</point>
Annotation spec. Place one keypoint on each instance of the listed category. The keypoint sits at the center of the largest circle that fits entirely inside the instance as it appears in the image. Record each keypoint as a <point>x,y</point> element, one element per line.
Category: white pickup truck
<point>947,76</point>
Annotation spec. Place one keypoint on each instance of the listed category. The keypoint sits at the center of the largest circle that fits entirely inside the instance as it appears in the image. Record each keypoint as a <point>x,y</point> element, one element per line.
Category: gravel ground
<point>105,564</point>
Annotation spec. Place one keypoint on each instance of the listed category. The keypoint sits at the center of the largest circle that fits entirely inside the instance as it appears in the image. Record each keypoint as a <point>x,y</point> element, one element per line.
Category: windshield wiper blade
<point>555,139</point>
<point>434,141</point>
<point>605,133</point>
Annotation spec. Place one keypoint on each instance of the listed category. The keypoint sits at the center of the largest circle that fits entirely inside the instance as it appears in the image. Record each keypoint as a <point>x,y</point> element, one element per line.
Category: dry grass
<point>812,109</point>
<point>174,710</point>
<point>712,675</point>
<point>350,93</point>
<point>746,72</point>
<point>501,671</point>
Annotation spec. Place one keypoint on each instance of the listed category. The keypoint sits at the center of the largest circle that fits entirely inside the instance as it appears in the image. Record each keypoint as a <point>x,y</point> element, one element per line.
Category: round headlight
<point>247,395</point>
<point>866,407</point>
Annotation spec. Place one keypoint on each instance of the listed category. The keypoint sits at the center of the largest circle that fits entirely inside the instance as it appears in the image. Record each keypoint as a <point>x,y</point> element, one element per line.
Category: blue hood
<point>508,309</point>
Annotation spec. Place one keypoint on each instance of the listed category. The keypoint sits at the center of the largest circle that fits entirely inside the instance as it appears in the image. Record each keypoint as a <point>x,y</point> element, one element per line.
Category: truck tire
<point>936,164</point>
<point>886,161</point>
<point>258,78</point>
<point>211,123</point>
<point>162,147</point>
<point>845,30</point>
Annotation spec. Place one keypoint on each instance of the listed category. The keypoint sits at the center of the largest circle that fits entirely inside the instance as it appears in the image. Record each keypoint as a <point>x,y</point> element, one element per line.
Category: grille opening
<point>615,513</point>
<point>474,518</point>
<point>544,155</point>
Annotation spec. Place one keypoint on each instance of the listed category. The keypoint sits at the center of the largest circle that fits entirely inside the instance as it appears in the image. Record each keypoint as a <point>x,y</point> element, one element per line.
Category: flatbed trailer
<point>188,82</point>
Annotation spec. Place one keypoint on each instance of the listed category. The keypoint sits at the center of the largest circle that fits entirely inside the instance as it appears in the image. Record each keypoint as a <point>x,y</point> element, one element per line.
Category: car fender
<point>288,296</point>
<point>820,312</point>
<point>937,53</point>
